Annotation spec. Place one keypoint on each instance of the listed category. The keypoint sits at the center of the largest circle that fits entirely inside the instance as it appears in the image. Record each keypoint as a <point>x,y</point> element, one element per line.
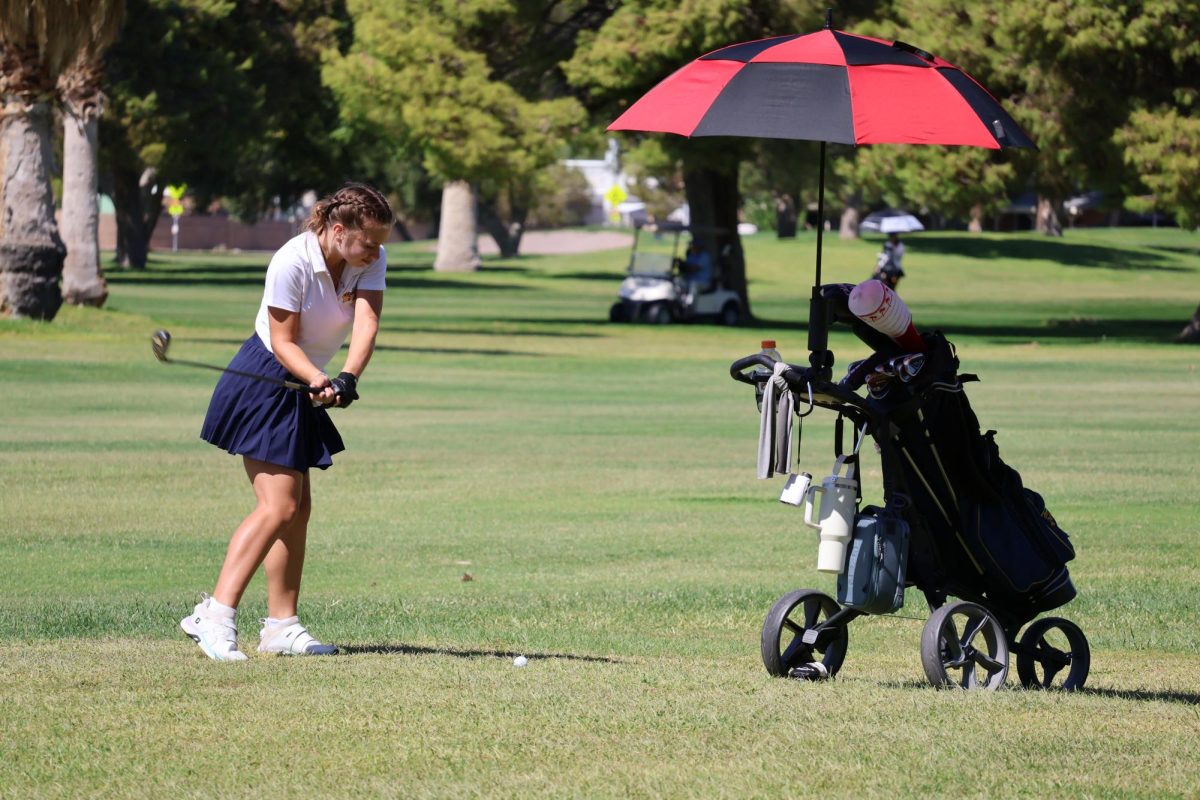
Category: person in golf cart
<point>697,267</point>
<point>888,266</point>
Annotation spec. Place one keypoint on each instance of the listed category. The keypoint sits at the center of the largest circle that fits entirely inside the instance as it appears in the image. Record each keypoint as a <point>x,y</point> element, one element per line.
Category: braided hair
<point>355,206</point>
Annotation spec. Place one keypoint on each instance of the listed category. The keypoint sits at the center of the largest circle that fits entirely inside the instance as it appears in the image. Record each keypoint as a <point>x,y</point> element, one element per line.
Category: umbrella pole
<point>818,326</point>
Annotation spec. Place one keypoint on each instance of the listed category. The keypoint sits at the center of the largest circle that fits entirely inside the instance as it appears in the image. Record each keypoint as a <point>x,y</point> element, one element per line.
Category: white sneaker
<point>292,640</point>
<point>216,635</point>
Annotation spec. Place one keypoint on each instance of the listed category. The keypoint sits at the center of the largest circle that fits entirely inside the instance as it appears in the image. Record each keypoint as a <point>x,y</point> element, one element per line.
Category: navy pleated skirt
<point>265,422</point>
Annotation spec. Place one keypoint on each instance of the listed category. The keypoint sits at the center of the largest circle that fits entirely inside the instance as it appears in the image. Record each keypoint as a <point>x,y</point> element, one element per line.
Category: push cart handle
<point>801,381</point>
<point>737,370</point>
<point>796,377</point>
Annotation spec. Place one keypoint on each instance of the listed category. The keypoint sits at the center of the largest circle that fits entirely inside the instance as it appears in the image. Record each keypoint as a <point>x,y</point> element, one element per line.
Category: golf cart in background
<point>656,290</point>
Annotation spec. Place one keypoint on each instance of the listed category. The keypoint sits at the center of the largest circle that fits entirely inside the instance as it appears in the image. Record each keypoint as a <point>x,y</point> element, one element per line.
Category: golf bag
<point>976,532</point>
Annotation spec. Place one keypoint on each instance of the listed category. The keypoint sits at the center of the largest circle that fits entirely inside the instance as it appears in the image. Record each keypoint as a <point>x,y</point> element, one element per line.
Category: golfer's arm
<point>285,327</point>
<point>367,309</point>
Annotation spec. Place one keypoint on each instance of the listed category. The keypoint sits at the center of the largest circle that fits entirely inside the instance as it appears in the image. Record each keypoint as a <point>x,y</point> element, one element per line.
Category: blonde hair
<point>355,206</point>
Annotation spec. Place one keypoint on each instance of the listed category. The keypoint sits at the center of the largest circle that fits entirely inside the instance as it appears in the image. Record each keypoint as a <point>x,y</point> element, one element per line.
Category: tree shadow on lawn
<point>457,351</point>
<point>490,332</point>
<point>1090,329</point>
<point>1187,251</point>
<point>1060,252</point>
<point>609,277</point>
<point>415,650</point>
<point>242,274</point>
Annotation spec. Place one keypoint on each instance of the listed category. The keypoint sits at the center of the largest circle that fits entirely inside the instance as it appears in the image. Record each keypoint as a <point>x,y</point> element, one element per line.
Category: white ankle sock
<point>276,623</point>
<point>220,609</point>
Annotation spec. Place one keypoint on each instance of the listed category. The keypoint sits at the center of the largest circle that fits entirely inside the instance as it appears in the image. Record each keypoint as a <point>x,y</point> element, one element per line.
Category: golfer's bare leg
<point>284,563</point>
<point>279,491</point>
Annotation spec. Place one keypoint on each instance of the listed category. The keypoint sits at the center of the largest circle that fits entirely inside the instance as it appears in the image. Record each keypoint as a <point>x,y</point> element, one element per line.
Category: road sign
<point>175,194</point>
<point>616,195</point>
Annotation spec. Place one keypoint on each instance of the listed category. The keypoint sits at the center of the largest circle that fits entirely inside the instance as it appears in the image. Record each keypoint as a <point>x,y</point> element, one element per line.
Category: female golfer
<point>322,285</point>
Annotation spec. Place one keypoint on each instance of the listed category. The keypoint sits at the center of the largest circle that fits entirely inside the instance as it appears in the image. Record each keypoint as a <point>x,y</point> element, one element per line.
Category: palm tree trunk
<point>31,252</point>
<point>83,282</point>
<point>458,249</point>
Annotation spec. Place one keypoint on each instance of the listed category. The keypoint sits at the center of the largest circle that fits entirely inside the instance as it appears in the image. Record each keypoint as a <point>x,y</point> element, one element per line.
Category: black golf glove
<point>345,388</point>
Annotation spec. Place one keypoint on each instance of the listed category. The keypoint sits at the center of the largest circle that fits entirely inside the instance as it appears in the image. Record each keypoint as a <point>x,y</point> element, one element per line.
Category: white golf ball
<point>520,661</point>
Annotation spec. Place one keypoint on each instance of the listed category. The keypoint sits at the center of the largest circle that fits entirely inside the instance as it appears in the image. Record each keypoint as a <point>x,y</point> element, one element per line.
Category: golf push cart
<point>956,520</point>
<point>657,290</point>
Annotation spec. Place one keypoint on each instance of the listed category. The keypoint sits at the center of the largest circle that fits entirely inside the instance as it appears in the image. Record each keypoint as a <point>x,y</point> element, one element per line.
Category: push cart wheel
<point>792,620</point>
<point>1053,654</point>
<point>964,645</point>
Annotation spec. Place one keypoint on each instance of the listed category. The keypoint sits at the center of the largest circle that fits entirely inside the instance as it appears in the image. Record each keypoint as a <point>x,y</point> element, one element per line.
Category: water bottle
<point>768,349</point>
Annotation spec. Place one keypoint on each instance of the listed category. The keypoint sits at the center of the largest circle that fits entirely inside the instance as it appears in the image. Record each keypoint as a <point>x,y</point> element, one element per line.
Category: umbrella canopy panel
<point>826,86</point>
<point>891,221</point>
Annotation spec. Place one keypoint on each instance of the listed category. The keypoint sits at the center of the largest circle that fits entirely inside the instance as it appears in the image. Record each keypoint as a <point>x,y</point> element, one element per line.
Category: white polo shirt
<point>298,280</point>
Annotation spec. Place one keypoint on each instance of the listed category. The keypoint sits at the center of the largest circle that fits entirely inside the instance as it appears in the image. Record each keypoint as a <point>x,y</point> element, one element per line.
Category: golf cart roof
<point>672,226</point>
<point>666,226</point>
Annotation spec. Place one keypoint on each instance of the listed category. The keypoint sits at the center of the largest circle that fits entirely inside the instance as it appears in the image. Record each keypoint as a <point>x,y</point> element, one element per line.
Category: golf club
<point>161,340</point>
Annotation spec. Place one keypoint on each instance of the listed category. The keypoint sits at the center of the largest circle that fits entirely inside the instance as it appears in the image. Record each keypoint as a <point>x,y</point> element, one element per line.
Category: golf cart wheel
<point>783,633</point>
<point>731,314</point>
<point>657,314</point>
<point>1053,654</point>
<point>617,313</point>
<point>964,645</point>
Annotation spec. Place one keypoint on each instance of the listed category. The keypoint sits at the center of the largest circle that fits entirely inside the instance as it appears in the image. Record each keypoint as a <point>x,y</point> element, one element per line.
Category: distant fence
<point>213,232</point>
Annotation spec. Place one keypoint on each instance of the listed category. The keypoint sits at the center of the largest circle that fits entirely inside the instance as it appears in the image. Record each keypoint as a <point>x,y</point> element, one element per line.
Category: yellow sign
<point>175,194</point>
<point>616,195</point>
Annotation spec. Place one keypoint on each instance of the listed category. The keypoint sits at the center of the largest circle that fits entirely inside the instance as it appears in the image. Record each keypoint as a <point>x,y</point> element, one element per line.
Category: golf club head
<point>159,342</point>
<point>906,367</point>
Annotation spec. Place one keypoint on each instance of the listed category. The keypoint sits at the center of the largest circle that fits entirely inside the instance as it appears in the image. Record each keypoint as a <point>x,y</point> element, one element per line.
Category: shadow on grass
<point>1143,695</point>
<point>401,275</point>
<point>1140,330</point>
<point>454,351</point>
<point>1162,696</point>
<point>1186,251</point>
<point>414,650</point>
<point>608,277</point>
<point>488,332</point>
<point>1066,253</point>
<point>469,351</point>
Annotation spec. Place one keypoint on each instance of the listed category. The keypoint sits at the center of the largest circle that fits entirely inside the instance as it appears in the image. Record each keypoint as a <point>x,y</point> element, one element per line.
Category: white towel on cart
<point>775,425</point>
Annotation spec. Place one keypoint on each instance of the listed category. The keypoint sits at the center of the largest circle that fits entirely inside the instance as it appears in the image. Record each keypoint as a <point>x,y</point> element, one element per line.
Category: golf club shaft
<point>299,387</point>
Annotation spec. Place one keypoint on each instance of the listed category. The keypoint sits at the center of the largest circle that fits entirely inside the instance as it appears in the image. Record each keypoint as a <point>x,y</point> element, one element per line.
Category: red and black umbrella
<point>828,86</point>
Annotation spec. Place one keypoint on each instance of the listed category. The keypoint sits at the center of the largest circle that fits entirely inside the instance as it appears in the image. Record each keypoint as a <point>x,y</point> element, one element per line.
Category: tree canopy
<point>226,97</point>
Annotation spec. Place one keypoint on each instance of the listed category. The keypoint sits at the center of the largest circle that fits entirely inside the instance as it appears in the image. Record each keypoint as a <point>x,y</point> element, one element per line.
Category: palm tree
<point>39,41</point>
<point>83,102</point>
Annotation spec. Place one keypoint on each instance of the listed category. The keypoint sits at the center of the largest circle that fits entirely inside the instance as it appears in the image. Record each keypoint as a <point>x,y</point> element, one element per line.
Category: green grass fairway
<point>597,485</point>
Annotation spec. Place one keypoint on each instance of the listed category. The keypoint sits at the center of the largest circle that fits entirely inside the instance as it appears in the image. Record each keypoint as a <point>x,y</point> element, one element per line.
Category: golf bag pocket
<point>1020,542</point>
<point>873,580</point>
